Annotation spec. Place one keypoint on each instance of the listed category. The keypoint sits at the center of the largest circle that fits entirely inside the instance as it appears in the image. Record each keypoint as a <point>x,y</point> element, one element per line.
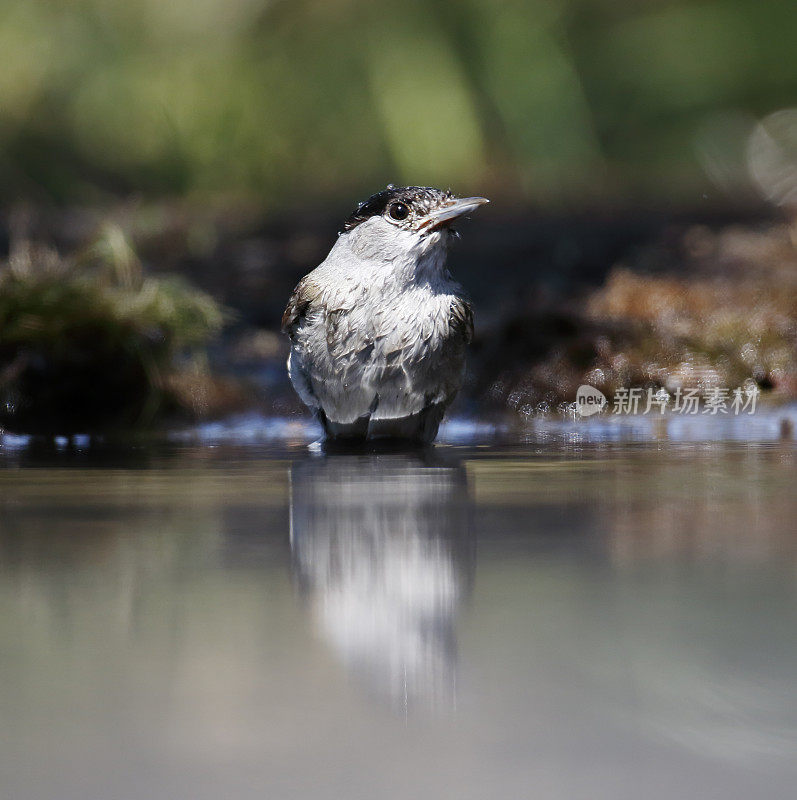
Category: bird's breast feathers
<point>399,351</point>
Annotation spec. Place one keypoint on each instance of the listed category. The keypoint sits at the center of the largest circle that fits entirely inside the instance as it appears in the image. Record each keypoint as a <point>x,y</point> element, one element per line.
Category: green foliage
<point>547,98</point>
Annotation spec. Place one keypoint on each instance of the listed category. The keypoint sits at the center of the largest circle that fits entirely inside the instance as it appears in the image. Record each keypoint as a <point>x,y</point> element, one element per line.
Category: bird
<point>379,330</point>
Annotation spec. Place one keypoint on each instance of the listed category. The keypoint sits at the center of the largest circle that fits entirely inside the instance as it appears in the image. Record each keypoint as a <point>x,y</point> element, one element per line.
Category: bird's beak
<point>439,217</point>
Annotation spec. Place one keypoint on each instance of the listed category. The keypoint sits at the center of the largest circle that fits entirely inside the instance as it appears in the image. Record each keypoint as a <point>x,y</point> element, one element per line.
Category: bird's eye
<point>399,211</point>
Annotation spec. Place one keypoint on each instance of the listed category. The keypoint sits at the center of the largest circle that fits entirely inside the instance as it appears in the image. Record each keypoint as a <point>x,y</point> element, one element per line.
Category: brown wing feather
<point>302,298</point>
<point>461,318</point>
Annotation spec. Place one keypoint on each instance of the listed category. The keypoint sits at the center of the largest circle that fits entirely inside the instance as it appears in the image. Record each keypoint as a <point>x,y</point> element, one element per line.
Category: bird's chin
<point>435,240</point>
<point>440,236</point>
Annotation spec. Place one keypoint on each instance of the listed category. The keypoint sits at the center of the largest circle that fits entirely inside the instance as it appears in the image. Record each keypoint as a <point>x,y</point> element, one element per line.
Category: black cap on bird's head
<point>421,209</point>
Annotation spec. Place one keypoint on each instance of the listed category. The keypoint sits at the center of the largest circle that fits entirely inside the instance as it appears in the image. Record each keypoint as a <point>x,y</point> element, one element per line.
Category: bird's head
<point>410,221</point>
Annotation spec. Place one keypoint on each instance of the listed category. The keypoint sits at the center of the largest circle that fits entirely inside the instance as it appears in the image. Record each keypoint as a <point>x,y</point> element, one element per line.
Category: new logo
<point>589,400</point>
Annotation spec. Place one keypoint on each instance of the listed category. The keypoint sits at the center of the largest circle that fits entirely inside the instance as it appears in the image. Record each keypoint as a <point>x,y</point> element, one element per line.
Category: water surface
<point>258,621</point>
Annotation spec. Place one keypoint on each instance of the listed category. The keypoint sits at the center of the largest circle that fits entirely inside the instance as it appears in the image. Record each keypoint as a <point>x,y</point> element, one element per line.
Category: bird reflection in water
<point>382,551</point>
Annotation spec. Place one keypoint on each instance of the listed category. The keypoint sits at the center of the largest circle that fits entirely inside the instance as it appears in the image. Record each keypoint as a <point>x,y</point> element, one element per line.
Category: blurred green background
<point>555,102</point>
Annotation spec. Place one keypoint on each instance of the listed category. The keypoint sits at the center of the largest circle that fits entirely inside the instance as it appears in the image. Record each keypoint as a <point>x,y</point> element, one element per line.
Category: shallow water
<point>549,620</point>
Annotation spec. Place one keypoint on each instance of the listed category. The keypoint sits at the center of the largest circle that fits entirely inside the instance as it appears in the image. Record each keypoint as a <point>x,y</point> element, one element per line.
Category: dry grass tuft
<point>710,310</point>
<point>91,343</point>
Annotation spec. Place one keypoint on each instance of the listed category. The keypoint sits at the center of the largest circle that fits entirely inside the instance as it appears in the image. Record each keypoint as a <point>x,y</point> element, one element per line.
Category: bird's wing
<point>461,319</point>
<point>305,293</point>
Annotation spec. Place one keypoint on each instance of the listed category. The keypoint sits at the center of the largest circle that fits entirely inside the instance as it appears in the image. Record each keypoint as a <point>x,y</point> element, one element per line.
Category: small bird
<point>379,330</point>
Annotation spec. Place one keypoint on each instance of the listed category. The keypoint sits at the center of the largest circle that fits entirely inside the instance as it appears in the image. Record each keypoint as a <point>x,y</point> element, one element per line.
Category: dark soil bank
<point>615,299</point>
